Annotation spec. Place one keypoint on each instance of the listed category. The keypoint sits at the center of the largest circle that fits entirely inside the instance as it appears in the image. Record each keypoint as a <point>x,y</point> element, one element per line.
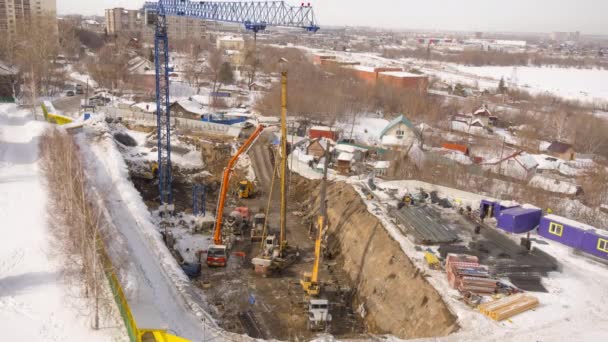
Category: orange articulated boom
<point>217,236</point>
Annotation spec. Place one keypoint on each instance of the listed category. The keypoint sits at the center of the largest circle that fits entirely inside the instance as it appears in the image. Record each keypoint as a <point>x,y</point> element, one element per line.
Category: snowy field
<point>588,85</point>
<point>35,304</point>
<point>578,84</point>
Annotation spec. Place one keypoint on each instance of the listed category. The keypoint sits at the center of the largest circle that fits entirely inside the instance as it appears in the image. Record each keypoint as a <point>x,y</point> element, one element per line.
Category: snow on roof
<point>345,156</point>
<point>553,185</point>
<point>483,110</point>
<point>191,106</point>
<point>526,161</point>
<point>398,120</point>
<point>323,128</point>
<point>363,68</point>
<point>546,162</point>
<point>570,222</point>
<point>349,148</point>
<point>382,164</point>
<point>401,74</point>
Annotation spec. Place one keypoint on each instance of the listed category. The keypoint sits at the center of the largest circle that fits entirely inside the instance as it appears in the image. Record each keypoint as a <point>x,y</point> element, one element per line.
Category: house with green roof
<point>400,132</point>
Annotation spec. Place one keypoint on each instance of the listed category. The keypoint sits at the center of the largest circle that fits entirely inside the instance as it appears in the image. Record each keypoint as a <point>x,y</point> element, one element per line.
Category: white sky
<point>587,16</point>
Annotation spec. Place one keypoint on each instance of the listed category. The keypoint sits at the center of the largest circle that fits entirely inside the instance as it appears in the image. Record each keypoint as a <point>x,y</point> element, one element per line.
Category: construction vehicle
<point>238,220</point>
<point>217,255</point>
<point>151,170</point>
<point>319,317</point>
<point>217,236</point>
<point>257,228</point>
<point>246,189</point>
<point>193,269</point>
<point>310,280</point>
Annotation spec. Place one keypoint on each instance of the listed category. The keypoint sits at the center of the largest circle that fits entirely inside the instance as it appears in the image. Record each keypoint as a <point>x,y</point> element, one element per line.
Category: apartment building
<point>122,20</point>
<point>13,12</point>
<point>178,27</point>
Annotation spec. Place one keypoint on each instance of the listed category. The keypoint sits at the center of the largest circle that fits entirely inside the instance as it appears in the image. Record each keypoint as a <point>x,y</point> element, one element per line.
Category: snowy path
<point>33,303</point>
<point>152,295</point>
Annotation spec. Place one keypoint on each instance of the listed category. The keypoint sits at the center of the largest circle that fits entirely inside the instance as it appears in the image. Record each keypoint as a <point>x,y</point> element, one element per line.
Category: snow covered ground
<point>35,303</point>
<point>579,84</point>
<point>160,294</point>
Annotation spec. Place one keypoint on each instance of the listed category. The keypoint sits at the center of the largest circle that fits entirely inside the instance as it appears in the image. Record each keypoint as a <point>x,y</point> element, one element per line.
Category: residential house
<point>561,150</point>
<point>344,163</point>
<point>187,109</point>
<point>317,148</point>
<point>483,114</point>
<point>399,134</point>
<point>142,73</point>
<point>381,167</point>
<point>359,153</point>
<point>521,166</point>
<point>324,131</point>
<point>230,43</point>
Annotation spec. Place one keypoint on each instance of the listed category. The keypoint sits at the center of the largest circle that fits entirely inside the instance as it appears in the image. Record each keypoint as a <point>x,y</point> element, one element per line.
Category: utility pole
<point>282,240</point>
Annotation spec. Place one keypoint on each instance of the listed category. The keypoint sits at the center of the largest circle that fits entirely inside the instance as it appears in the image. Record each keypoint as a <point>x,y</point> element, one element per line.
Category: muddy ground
<point>372,286</point>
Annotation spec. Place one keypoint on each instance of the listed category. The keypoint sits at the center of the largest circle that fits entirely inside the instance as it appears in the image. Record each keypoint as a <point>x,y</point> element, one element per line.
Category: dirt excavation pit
<point>373,288</point>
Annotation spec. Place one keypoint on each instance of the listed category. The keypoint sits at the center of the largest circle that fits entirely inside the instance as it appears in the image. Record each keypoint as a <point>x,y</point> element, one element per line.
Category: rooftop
<point>559,147</point>
<point>402,74</point>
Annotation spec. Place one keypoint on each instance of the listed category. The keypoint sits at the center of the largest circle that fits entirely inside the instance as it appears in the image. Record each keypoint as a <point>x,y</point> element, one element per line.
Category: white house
<point>399,133</point>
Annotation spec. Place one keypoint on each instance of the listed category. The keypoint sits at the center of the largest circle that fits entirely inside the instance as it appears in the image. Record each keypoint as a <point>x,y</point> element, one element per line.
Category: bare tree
<point>590,133</point>
<point>251,66</point>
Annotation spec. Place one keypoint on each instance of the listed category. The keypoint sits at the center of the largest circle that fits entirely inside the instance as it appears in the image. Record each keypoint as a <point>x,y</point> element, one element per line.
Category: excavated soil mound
<point>392,294</point>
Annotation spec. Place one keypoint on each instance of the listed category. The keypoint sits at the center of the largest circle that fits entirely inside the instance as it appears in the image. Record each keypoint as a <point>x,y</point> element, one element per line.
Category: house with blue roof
<point>400,132</point>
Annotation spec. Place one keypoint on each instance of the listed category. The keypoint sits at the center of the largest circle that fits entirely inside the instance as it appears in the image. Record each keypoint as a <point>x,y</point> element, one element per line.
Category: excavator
<point>217,253</point>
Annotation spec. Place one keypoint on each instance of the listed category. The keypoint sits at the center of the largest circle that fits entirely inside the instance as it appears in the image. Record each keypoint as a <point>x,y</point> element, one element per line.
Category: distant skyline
<point>586,16</point>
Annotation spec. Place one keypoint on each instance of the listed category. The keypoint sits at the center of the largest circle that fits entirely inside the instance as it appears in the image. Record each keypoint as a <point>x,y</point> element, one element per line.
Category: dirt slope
<point>392,294</point>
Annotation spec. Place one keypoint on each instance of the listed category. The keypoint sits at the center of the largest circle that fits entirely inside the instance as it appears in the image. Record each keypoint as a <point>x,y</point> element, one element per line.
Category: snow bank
<point>161,282</point>
<point>35,302</point>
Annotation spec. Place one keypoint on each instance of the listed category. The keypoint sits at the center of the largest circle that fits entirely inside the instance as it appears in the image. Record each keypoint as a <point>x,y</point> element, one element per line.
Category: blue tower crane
<point>254,15</point>
<point>163,113</point>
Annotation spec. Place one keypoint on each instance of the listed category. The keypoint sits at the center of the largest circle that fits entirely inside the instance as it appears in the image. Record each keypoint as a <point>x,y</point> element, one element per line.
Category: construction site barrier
<point>150,118</point>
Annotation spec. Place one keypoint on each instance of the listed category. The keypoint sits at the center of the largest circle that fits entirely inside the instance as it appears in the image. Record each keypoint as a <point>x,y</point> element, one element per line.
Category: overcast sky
<point>587,16</point>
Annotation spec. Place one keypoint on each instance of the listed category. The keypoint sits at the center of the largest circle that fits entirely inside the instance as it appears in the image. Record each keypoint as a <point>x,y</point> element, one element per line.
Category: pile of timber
<point>467,276</point>
<point>508,307</point>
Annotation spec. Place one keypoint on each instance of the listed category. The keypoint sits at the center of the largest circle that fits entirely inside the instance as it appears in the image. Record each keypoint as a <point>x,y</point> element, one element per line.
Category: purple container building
<point>489,208</point>
<point>563,230</point>
<point>595,243</point>
<point>518,220</point>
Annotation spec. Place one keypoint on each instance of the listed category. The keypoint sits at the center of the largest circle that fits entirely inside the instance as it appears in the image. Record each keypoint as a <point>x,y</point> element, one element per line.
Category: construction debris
<point>508,307</point>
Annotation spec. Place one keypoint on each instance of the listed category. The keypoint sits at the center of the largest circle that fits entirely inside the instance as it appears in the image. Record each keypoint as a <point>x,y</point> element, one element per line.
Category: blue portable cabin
<point>563,230</point>
<point>489,208</point>
<point>595,242</point>
<point>519,219</point>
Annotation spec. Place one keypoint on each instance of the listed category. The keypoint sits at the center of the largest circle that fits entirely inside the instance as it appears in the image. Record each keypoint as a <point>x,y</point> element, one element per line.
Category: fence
<point>149,118</point>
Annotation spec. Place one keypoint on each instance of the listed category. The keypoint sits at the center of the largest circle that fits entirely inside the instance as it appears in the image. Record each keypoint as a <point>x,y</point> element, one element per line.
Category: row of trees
<point>500,58</point>
<point>77,222</point>
<point>331,94</point>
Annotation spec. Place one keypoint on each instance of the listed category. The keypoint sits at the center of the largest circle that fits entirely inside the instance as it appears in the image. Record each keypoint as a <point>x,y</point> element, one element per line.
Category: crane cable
<point>274,173</point>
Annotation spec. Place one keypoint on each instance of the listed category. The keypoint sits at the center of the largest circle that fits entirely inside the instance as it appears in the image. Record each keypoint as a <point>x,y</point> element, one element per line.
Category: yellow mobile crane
<point>310,280</point>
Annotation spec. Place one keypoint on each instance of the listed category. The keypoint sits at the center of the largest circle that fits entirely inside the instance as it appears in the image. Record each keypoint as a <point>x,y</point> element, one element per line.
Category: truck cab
<point>318,314</point>
<point>217,255</point>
